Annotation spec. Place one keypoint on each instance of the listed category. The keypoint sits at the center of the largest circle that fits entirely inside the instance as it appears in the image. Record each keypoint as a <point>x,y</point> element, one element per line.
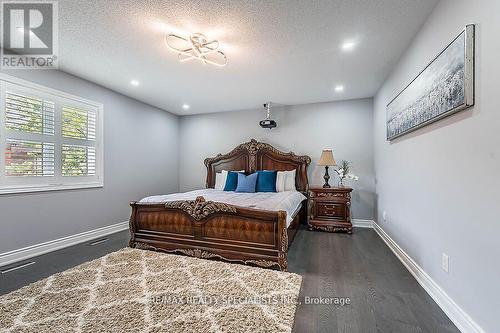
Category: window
<point>49,140</point>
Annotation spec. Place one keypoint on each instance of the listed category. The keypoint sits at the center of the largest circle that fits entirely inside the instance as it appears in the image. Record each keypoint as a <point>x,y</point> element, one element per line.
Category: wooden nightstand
<point>330,209</point>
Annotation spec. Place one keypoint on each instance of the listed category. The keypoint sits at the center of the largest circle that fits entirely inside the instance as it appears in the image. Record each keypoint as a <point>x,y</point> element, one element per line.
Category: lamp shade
<point>326,158</point>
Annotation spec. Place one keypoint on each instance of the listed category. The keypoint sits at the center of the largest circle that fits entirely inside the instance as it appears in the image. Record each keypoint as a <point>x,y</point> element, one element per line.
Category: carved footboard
<point>207,229</point>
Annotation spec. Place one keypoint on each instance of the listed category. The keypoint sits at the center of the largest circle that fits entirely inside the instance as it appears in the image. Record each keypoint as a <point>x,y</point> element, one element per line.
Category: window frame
<point>58,182</point>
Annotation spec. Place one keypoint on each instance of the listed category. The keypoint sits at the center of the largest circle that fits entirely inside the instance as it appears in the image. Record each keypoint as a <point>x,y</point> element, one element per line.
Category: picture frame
<point>445,86</point>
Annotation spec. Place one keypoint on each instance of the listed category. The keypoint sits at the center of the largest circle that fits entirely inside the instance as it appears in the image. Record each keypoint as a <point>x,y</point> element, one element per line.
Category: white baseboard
<point>42,248</point>
<point>358,223</point>
<point>456,314</point>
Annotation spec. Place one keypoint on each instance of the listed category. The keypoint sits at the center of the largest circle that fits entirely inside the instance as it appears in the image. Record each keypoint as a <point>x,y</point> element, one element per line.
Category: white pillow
<point>290,180</point>
<point>280,181</point>
<point>285,181</point>
<point>220,179</point>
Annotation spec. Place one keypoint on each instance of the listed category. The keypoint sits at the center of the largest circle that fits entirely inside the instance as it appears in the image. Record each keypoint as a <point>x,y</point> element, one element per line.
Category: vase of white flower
<point>344,173</point>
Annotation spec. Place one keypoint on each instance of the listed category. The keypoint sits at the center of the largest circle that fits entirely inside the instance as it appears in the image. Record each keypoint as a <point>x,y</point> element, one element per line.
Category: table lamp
<point>326,160</point>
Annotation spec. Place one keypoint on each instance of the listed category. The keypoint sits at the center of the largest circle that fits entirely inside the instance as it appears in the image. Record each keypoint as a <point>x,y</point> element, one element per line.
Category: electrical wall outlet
<point>384,216</point>
<point>445,262</point>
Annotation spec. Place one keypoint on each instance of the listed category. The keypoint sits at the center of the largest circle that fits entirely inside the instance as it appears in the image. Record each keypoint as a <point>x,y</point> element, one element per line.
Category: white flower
<point>351,176</point>
<point>340,172</point>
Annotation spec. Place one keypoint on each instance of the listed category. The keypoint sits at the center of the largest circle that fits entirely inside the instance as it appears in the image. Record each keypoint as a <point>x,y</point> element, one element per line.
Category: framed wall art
<point>443,87</point>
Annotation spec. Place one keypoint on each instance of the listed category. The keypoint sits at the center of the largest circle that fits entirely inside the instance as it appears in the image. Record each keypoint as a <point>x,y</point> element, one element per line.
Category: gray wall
<point>140,158</point>
<point>347,127</point>
<point>440,185</point>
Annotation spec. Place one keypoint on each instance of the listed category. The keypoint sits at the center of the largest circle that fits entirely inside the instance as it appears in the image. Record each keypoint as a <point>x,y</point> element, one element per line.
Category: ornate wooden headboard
<point>253,155</point>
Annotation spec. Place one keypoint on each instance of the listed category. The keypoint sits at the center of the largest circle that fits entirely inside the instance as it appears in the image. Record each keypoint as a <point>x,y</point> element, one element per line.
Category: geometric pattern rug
<point>135,290</point>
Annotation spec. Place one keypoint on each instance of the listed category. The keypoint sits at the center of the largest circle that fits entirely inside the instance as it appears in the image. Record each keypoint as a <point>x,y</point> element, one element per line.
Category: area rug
<point>143,291</point>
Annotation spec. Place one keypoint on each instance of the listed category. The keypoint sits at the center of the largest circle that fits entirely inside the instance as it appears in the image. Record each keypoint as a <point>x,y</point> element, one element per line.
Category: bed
<point>254,229</point>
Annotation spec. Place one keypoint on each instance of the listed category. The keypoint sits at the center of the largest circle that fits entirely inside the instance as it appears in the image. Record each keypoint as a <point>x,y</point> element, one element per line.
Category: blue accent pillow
<point>231,181</point>
<point>266,182</point>
<point>247,183</point>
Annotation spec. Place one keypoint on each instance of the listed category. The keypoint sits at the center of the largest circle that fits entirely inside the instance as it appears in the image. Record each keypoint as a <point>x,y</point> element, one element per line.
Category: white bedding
<point>289,201</point>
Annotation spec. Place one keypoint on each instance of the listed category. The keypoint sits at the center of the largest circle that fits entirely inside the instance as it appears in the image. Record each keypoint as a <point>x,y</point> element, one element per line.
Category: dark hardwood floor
<point>383,296</point>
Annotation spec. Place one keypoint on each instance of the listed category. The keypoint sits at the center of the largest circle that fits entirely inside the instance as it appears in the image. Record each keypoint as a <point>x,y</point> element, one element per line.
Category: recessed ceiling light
<point>135,83</point>
<point>339,88</point>
<point>348,45</point>
<point>185,106</point>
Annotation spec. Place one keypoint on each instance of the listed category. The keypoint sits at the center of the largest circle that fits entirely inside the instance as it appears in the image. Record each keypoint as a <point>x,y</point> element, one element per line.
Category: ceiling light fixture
<point>198,47</point>
<point>185,106</point>
<point>135,83</point>
<point>348,45</point>
<point>339,88</point>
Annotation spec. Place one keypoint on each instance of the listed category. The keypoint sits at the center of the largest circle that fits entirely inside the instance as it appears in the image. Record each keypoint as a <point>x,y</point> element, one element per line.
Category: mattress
<point>288,201</point>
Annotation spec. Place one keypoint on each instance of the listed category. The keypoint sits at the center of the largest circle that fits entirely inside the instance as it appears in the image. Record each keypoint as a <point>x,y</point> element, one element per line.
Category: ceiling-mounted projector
<point>268,122</point>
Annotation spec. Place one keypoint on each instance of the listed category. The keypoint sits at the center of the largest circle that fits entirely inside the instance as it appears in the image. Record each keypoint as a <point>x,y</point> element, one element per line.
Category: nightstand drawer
<point>330,210</point>
<point>332,196</point>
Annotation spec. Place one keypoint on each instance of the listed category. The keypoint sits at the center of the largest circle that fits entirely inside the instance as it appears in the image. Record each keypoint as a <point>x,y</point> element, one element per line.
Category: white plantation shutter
<point>78,160</point>
<point>28,114</point>
<point>29,158</point>
<point>78,123</point>
<point>29,134</point>
<point>48,139</point>
<point>79,141</point>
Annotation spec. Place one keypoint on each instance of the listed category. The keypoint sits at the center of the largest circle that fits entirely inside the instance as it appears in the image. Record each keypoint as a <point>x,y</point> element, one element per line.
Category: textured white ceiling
<point>286,52</point>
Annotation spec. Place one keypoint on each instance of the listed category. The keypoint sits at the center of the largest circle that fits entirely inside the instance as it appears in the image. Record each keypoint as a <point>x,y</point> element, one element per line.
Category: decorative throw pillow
<point>266,181</point>
<point>247,183</point>
<point>231,181</point>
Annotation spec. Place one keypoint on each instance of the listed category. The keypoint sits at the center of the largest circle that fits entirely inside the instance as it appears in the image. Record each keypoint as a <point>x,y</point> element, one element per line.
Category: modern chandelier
<point>196,47</point>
